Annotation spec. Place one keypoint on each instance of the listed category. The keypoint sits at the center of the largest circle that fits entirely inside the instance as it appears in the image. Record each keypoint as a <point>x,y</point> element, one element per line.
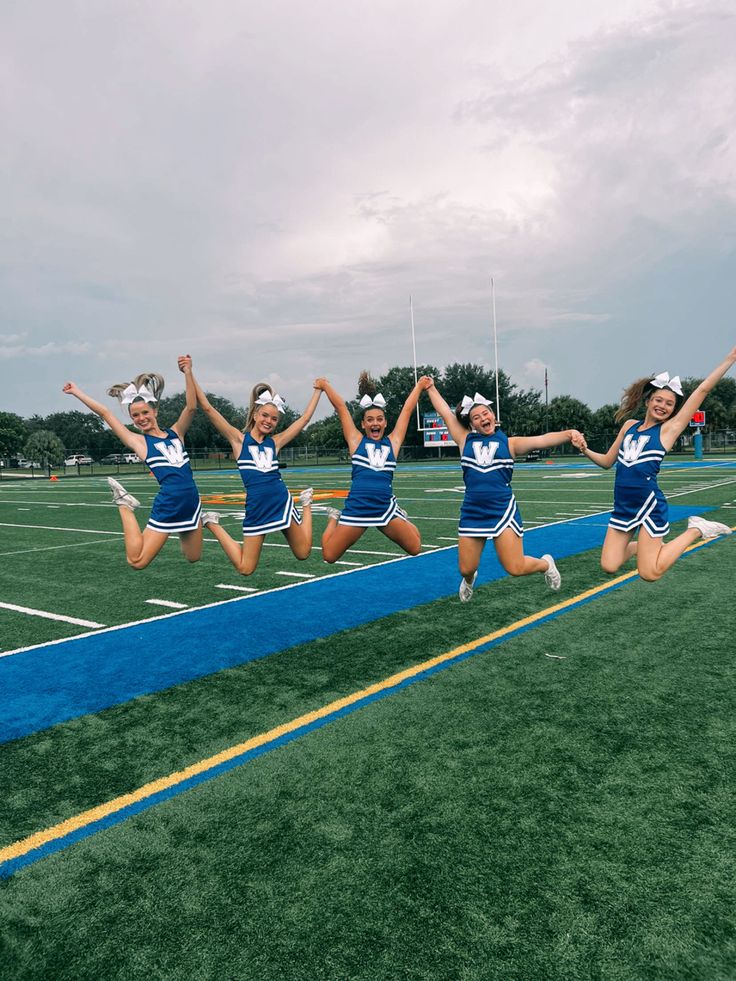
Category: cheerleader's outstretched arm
<point>132,440</point>
<point>349,429</point>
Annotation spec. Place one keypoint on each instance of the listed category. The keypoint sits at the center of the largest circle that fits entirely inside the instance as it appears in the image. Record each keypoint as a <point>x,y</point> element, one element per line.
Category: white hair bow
<point>467,403</point>
<point>378,400</point>
<point>271,398</point>
<point>663,380</point>
<point>131,393</point>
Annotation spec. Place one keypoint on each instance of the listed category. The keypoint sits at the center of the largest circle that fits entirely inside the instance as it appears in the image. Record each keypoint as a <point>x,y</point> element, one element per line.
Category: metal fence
<point>719,443</point>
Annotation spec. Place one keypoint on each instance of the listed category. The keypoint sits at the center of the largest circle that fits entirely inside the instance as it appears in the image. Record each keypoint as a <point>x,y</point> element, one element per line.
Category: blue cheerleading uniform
<point>268,504</point>
<point>637,500</point>
<point>489,506</point>
<point>176,507</point>
<point>371,503</point>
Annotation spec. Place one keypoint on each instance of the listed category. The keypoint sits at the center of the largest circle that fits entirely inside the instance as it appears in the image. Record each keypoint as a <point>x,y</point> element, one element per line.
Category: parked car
<point>72,461</point>
<point>28,464</point>
<point>113,458</point>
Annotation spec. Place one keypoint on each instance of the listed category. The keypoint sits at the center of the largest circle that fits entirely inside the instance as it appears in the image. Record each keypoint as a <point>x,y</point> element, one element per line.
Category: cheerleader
<point>370,502</point>
<point>489,508</point>
<point>268,504</point>
<point>176,509</point>
<point>638,450</point>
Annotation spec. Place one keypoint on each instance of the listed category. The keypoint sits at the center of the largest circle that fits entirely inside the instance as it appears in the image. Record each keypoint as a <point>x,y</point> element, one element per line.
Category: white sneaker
<point>466,588</point>
<point>332,513</point>
<point>121,497</point>
<point>305,498</point>
<point>210,518</point>
<point>708,529</point>
<point>552,576</point>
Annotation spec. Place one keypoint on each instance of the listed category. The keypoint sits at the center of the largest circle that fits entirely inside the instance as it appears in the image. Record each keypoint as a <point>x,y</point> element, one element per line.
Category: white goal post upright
<point>495,349</point>
<point>420,427</point>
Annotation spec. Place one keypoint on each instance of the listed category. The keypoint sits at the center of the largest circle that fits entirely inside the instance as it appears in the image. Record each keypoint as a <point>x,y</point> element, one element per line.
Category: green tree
<point>80,432</point>
<point>44,447</point>
<point>565,412</point>
<point>201,435</point>
<point>521,412</point>
<point>13,433</point>
<point>325,432</point>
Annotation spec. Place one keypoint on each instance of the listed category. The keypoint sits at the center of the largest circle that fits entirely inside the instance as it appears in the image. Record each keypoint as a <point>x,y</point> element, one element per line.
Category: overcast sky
<point>263,185</point>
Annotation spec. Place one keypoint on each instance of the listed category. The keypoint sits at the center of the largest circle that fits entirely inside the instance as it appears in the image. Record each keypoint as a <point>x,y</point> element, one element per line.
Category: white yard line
<point>298,575</point>
<point>52,548</point>
<point>169,603</point>
<point>84,531</point>
<point>49,616</point>
<point>237,589</point>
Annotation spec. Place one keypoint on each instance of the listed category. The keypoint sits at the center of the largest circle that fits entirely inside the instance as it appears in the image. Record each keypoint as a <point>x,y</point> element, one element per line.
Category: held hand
<point>184,362</point>
<point>578,440</point>
<point>320,384</point>
<point>70,389</point>
<point>425,383</point>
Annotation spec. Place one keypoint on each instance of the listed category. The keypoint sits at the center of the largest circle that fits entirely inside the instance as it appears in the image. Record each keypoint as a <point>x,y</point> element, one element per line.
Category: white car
<point>72,461</point>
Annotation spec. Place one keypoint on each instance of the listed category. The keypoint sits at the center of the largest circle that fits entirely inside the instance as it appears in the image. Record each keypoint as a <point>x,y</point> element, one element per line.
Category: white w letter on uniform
<point>173,451</point>
<point>484,453</point>
<point>263,458</point>
<point>632,448</point>
<point>377,455</point>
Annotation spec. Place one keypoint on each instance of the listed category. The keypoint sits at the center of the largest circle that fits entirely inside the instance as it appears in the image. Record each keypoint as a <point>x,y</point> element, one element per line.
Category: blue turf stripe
<point>13,865</point>
<point>45,686</point>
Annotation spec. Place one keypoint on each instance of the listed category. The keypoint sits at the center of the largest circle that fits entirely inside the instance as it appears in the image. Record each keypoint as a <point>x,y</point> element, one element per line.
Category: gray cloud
<point>264,188</point>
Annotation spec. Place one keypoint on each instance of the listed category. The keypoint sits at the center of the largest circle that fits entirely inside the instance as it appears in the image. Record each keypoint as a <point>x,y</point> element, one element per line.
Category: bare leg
<point>405,534</point>
<point>510,552</point>
<point>141,547</point>
<point>655,556</point>
<point>337,539</point>
<point>191,544</point>
<point>618,547</point>
<point>469,551</point>
<point>299,537</point>
<point>244,557</point>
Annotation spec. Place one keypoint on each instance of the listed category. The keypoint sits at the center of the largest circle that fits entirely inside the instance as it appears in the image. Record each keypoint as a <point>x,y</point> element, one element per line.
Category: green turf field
<point>559,806</point>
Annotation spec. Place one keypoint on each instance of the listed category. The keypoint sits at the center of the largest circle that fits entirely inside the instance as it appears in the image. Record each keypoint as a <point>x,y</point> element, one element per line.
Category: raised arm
<point>398,433</point>
<point>349,430</point>
<point>455,428</point>
<point>607,459</point>
<point>184,421</point>
<point>133,441</point>
<point>675,426</point>
<point>292,431</point>
<point>522,444</point>
<point>231,433</point>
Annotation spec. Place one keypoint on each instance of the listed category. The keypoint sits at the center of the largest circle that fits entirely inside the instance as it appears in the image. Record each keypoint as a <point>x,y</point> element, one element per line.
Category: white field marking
<point>174,606</point>
<point>442,490</point>
<point>24,509</point>
<point>429,546</point>
<point>445,538</point>
<point>298,575</point>
<point>345,562</point>
<point>354,551</point>
<point>194,609</point>
<point>241,599</point>
<point>569,476</point>
<point>53,507</point>
<point>49,616</point>
<point>237,589</point>
<point>84,531</point>
<point>52,548</point>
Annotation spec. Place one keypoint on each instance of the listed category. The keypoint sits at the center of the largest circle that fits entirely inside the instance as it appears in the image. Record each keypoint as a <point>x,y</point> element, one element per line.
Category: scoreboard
<point>435,431</point>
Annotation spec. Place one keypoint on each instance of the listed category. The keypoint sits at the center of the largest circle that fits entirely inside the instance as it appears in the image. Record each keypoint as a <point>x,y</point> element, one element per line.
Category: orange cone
<point>53,478</point>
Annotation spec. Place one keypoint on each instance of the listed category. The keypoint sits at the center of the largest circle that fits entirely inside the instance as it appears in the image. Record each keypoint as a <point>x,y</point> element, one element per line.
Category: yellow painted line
<point>57,831</point>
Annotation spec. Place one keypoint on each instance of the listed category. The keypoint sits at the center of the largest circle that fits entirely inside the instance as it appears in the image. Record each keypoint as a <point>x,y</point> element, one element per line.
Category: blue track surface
<point>47,685</point>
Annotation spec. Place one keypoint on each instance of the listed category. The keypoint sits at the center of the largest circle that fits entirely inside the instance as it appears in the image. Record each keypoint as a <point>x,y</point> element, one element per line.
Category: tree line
<point>523,412</point>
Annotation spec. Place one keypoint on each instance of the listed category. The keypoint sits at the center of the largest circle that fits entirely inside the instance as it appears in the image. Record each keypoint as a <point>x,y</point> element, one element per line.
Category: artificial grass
<point>515,816</point>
